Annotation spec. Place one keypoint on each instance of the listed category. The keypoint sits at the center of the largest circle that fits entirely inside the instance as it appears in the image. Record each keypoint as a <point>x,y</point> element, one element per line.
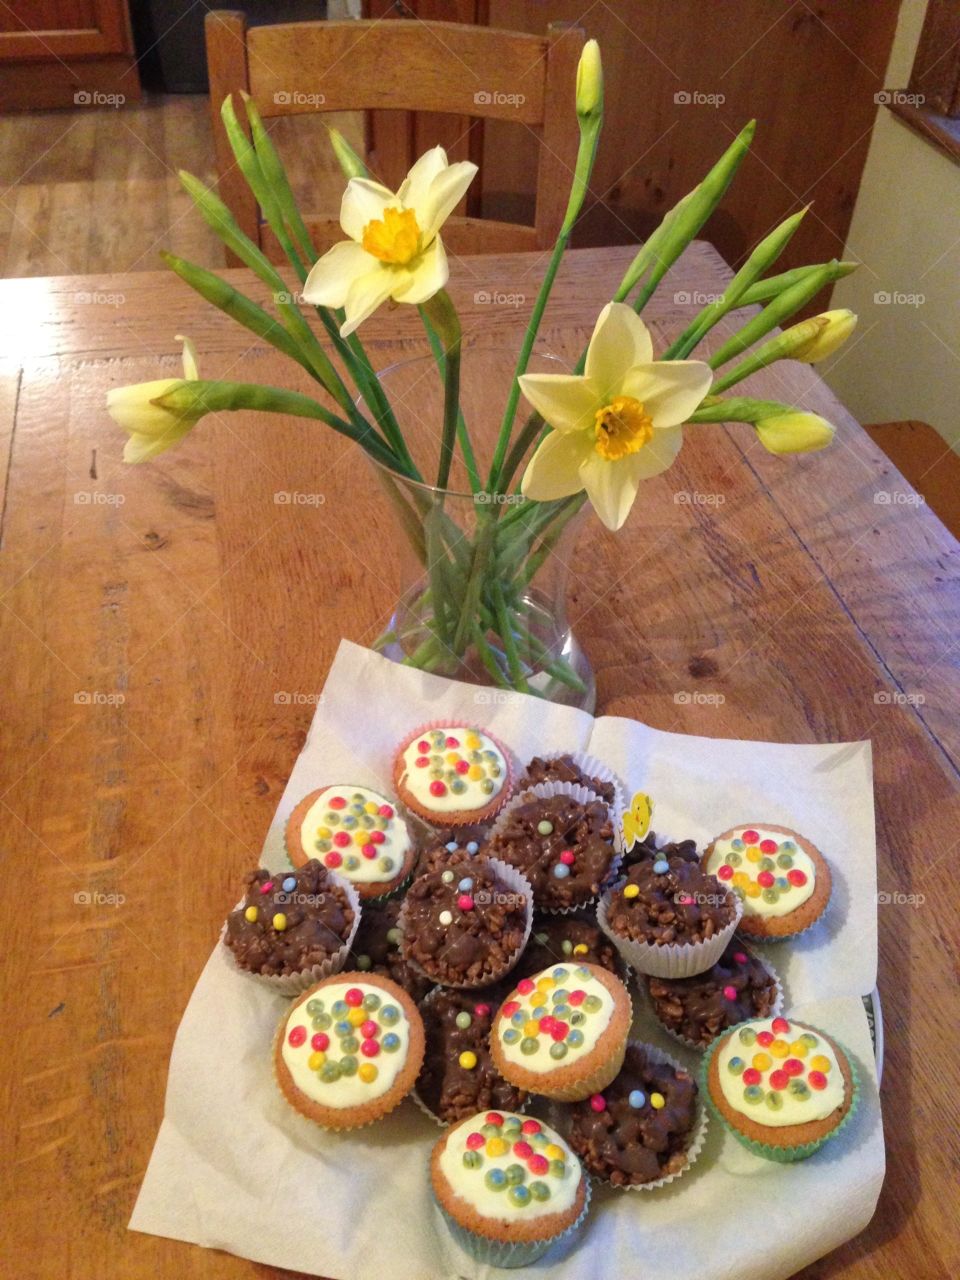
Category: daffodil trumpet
<point>811,340</point>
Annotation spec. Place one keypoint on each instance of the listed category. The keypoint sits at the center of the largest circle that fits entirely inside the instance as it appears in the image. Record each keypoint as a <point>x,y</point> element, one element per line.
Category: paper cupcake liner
<point>334,1128</point>
<point>496,803</point>
<point>675,960</point>
<point>511,1253</point>
<point>774,1012</point>
<point>782,1155</point>
<point>583,795</point>
<point>591,767</point>
<point>698,1134</point>
<point>291,984</point>
<point>517,883</point>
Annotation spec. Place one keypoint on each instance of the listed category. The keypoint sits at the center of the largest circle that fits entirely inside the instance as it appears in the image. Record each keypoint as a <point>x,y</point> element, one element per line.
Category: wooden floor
<point>95,189</point>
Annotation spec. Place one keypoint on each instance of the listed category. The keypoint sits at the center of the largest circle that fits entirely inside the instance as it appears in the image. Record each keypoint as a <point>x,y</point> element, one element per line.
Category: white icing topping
<point>324,828</point>
<point>470,1184</point>
<point>577,1002</point>
<point>483,758</point>
<point>748,861</point>
<point>347,1090</point>
<point>796,1102</point>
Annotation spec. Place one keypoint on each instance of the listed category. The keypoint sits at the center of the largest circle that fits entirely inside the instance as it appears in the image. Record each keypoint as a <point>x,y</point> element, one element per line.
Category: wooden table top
<point>151,615</point>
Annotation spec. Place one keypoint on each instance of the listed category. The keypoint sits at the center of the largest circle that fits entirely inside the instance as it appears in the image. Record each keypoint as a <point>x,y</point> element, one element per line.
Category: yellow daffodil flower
<point>152,426</point>
<point>618,423</point>
<point>831,329</point>
<point>795,432</point>
<point>394,250</point>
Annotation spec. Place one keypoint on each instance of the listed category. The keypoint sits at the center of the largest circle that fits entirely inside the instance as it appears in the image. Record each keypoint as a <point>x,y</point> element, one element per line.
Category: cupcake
<point>563,845</point>
<point>508,1187</point>
<point>565,768</point>
<point>782,879</point>
<point>567,939</point>
<point>669,917</point>
<point>466,926</point>
<point>783,1088</point>
<point>458,1077</point>
<point>292,928</point>
<point>376,948</point>
<point>696,1010</point>
<point>452,775</point>
<point>645,1127</point>
<point>563,1033</point>
<point>448,849</point>
<point>355,832</point>
<point>348,1050</point>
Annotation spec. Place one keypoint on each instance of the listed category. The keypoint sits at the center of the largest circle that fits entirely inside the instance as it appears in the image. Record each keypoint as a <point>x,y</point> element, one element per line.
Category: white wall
<point>903,361</point>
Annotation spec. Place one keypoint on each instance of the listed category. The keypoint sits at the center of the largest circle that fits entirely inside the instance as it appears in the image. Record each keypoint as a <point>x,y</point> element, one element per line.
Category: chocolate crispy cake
<point>639,1128</point>
<point>565,769</point>
<point>569,938</point>
<point>376,948</point>
<point>458,1077</point>
<point>448,849</point>
<point>736,989</point>
<point>670,901</point>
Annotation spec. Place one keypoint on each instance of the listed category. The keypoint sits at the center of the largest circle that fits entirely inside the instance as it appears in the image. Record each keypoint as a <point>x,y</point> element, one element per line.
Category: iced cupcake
<point>452,775</point>
<point>356,833</point>
<point>508,1186</point>
<point>348,1050</point>
<point>563,1033</point>
<point>782,879</point>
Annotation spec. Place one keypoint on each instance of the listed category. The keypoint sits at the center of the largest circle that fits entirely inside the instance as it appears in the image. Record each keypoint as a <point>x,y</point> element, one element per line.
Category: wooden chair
<point>409,66</point>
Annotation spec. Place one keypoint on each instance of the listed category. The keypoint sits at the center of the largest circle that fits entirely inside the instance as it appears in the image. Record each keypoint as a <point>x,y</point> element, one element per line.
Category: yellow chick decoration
<point>636,820</point>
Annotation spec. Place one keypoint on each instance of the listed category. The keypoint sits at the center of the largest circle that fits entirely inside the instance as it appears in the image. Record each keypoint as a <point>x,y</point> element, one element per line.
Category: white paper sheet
<point>235,1168</point>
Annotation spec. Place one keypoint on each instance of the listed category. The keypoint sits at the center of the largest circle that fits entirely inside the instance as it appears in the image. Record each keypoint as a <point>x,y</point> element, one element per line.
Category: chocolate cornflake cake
<point>670,901</point>
<point>464,926</point>
<point>376,948</point>
<point>563,847</point>
<point>448,849</point>
<point>647,850</point>
<point>565,769</point>
<point>458,1077</point>
<point>737,988</point>
<point>289,921</point>
<point>567,938</point>
<point>640,1127</point>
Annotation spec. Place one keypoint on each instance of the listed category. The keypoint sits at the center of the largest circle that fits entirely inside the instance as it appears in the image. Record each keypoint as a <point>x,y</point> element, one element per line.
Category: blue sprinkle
<point>637,1098</point>
<point>289,884</point>
<point>472,846</point>
<point>561,871</point>
<point>452,847</point>
<point>465,885</point>
<point>661,867</point>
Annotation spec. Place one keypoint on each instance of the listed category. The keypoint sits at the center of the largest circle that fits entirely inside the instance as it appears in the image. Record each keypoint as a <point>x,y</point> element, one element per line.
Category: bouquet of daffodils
<point>593,433</point>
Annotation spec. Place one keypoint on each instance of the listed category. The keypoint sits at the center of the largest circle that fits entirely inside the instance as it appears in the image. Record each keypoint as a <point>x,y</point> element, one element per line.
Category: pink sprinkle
<point>525,986</point>
<point>377,837</point>
<point>547,1023</point>
<point>510,1008</point>
<point>423,747</point>
<point>567,858</point>
<point>462,766</point>
<point>266,886</point>
<point>353,997</point>
<point>369,1048</point>
<point>465,902</point>
<point>422,761</point>
<point>342,838</point>
<point>297,1036</point>
<point>598,1102</point>
<point>369,850</point>
<point>522,1149</point>
<point>740,957</point>
<point>320,1042</point>
<point>730,993</point>
<point>538,1164</point>
<point>369,1029</point>
<point>577,997</point>
<point>475,1141</point>
<point>530,1126</point>
<point>481,1010</point>
<point>453,742</point>
<point>333,859</point>
<point>559,1031</point>
<point>386,811</point>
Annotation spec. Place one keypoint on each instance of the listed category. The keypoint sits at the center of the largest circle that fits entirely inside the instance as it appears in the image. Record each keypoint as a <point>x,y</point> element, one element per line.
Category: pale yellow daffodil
<point>796,432</point>
<point>394,250</point>
<point>618,423</point>
<point>152,426</point>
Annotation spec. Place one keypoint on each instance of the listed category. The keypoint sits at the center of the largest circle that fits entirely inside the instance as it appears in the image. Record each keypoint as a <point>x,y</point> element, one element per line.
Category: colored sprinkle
<point>631,891</point>
<point>730,993</point>
<point>661,867</point>
<point>544,827</point>
<point>658,1101</point>
<point>279,922</point>
<point>467,1060</point>
<point>598,1102</point>
<point>637,1098</point>
<point>251,913</point>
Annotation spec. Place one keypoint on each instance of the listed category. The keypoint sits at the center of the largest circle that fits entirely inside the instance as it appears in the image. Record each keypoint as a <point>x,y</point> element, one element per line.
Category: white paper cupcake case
<point>507,1253</point>
<point>698,1135</point>
<point>583,795</point>
<point>674,960</point>
<point>515,882</point>
<point>291,984</point>
<point>591,767</point>
<point>774,1012</point>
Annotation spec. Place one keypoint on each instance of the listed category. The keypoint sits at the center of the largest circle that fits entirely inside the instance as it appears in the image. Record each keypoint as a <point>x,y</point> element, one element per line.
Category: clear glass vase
<point>484,576</point>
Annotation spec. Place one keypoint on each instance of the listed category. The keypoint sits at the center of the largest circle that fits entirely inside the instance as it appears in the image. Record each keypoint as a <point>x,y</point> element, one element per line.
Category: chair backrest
<point>445,67</point>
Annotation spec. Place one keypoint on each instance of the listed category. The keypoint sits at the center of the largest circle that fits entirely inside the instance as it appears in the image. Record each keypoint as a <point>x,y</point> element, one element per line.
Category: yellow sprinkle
<point>279,922</point>
<point>356,1016</point>
<point>497,1147</point>
<point>323,833</point>
<point>761,1061</point>
<point>371,807</point>
<point>452,757</point>
<point>473,742</point>
<point>316,1060</point>
<point>475,773</point>
<point>820,1063</point>
<point>631,891</point>
<point>741,879</point>
<point>468,1060</point>
<point>580,949</point>
<point>780,1049</point>
<point>531,1027</point>
<point>754,854</point>
<point>546,983</point>
<point>657,1100</point>
<point>367,1073</point>
<point>752,890</point>
<point>799,1049</point>
<point>553,1152</point>
<point>361,837</point>
<point>251,913</point>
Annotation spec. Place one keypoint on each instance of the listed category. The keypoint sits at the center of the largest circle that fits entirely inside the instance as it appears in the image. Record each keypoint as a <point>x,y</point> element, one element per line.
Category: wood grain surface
<point>151,616</point>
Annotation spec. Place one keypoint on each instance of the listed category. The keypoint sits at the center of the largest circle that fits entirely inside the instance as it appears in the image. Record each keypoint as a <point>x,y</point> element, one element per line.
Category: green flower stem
<point>781,308</point>
<point>506,635</point>
<point>764,290</point>
<point>275,176</point>
<point>442,315</point>
<point>463,436</point>
<point>738,409</point>
<point>782,347</point>
<point>488,658</point>
<point>482,549</point>
<point>529,433</point>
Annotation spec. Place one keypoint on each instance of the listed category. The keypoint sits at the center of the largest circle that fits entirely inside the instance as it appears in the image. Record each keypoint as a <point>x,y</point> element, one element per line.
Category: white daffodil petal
<point>141,447</point>
<point>363,201</point>
<point>564,400</point>
<point>658,453</point>
<point>131,407</point>
<point>669,390</point>
<point>554,470</point>
<point>611,488</point>
<point>416,184</point>
<point>190,370</point>
<point>443,196</point>
<point>331,276</point>
<point>620,341</point>
<point>431,274</point>
<point>366,293</point>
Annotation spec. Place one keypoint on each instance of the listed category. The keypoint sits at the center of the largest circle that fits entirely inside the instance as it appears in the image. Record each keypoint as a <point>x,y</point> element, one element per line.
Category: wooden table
<point>151,615</point>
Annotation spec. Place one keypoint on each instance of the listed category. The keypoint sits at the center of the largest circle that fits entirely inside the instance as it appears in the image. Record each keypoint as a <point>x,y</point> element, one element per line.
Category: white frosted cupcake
<point>357,834</point>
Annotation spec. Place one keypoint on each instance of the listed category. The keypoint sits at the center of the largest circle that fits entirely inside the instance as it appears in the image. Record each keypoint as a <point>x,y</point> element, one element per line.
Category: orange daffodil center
<point>621,428</point>
<point>393,238</point>
<point>617,423</point>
